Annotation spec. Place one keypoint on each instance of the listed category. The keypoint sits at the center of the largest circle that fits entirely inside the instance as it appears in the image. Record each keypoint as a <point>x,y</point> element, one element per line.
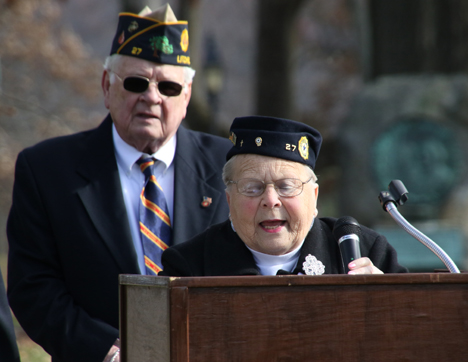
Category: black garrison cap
<point>275,137</point>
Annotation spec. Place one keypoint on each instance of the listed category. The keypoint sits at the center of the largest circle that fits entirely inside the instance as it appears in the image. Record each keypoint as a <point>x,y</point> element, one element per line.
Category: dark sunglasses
<point>138,84</point>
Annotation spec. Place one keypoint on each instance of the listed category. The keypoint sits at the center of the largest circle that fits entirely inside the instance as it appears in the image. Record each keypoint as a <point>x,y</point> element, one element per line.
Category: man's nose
<point>152,94</point>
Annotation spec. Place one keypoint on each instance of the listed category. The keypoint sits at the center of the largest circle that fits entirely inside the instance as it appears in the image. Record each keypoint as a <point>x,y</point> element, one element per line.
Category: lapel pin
<point>206,201</point>
<point>313,266</point>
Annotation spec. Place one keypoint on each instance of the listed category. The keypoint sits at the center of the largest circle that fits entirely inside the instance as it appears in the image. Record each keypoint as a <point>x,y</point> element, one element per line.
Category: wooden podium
<point>392,317</point>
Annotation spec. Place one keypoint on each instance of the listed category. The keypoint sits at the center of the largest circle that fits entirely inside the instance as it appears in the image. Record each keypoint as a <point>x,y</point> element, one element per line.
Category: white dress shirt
<point>132,181</point>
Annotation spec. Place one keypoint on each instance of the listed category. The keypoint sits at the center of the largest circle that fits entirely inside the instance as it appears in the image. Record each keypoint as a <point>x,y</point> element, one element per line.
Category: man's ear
<point>105,85</point>
<point>228,198</point>
<point>187,93</point>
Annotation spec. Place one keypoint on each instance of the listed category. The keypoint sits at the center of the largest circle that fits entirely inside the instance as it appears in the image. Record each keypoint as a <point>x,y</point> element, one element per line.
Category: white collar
<point>270,264</point>
<point>127,155</point>
<point>268,259</point>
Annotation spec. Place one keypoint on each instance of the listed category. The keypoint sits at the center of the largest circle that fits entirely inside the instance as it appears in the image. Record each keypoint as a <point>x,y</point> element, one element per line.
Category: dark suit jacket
<point>220,252</point>
<point>70,239</point>
<point>8,347</point>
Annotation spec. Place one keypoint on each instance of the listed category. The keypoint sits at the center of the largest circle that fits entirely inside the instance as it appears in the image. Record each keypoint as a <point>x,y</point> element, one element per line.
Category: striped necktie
<point>155,224</point>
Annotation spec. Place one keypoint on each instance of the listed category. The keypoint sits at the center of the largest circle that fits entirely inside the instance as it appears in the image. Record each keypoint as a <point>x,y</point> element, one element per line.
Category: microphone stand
<point>397,195</point>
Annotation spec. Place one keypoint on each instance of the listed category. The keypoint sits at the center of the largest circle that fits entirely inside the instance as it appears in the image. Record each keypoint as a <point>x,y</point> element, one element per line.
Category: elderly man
<point>87,207</point>
<point>272,194</point>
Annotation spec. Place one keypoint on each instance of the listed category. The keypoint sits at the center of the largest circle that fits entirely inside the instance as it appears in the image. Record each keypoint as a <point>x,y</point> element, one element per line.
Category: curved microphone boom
<point>347,233</point>
<point>396,195</point>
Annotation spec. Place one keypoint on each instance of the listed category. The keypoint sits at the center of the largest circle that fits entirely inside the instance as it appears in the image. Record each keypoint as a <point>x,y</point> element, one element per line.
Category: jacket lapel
<point>320,243</point>
<point>226,253</point>
<point>102,197</point>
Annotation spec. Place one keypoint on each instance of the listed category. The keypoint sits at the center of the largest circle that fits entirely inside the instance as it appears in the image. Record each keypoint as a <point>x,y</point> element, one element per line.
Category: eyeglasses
<point>287,187</point>
<point>139,84</point>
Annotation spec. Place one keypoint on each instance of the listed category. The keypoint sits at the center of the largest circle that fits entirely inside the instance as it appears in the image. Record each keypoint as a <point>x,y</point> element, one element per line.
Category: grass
<point>29,350</point>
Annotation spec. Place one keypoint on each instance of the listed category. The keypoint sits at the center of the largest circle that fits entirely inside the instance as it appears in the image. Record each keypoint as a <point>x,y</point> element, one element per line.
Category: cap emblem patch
<point>304,148</point>
<point>132,27</point>
<point>161,43</point>
<point>184,40</point>
<point>233,138</point>
<point>258,141</point>
<point>121,38</point>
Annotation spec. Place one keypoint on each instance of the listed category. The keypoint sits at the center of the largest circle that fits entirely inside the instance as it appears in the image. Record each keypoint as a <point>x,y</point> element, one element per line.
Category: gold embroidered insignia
<point>258,141</point>
<point>184,40</point>
<point>304,148</point>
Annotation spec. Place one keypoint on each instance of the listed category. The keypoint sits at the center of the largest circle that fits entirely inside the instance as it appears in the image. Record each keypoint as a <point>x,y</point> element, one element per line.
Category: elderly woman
<point>272,194</point>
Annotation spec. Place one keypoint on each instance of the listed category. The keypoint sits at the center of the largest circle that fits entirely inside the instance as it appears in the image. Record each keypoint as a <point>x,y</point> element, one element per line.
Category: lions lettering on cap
<point>182,59</point>
<point>304,148</point>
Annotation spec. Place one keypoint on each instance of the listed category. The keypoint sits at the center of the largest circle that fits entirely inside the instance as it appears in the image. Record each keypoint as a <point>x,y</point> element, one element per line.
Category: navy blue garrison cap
<point>275,137</point>
<point>158,37</point>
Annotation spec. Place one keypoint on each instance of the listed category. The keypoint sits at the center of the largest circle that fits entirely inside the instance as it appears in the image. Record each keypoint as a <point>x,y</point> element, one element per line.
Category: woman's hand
<point>363,266</point>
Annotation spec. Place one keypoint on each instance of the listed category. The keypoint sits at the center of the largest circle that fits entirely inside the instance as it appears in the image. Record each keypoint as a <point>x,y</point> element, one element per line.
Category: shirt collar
<point>270,260</point>
<point>127,155</point>
<point>270,264</point>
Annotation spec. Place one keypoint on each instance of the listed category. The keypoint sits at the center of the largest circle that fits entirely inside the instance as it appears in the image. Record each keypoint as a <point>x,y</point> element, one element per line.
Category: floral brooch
<point>313,266</point>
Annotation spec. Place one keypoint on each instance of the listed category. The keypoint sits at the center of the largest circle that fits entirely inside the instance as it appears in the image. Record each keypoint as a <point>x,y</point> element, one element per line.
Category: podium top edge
<point>290,280</point>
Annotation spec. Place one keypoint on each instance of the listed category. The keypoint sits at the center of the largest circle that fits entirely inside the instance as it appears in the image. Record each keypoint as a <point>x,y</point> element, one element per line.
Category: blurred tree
<point>274,73</point>
<point>199,114</point>
<point>418,36</point>
<point>49,85</point>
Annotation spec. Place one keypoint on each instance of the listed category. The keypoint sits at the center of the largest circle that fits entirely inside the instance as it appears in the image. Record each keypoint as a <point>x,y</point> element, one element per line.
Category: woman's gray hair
<point>228,171</point>
<point>112,60</point>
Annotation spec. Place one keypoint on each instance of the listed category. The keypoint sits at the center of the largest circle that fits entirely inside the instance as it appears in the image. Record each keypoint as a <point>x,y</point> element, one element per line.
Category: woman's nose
<point>270,197</point>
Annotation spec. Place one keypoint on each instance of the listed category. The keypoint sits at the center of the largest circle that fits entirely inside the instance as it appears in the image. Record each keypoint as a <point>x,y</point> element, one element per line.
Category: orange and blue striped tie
<point>155,224</point>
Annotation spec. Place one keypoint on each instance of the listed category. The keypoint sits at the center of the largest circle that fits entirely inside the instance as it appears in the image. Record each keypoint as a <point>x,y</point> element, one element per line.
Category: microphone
<point>348,232</point>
